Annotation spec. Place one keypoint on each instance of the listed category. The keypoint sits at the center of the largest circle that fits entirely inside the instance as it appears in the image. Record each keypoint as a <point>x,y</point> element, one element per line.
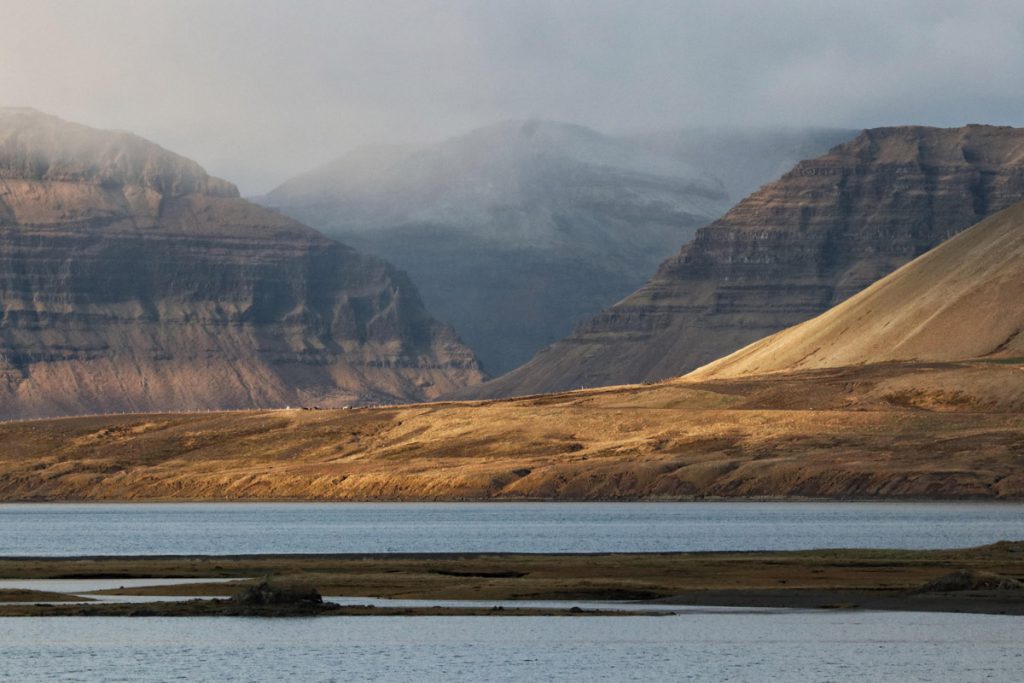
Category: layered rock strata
<point>132,280</point>
<point>962,300</point>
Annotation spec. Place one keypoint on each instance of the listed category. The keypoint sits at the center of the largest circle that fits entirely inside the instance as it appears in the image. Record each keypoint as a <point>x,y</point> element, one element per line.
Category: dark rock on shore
<point>267,593</point>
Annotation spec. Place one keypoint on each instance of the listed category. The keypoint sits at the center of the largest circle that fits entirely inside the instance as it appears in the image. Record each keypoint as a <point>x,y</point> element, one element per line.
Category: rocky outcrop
<point>516,231</point>
<point>132,280</point>
<point>788,252</point>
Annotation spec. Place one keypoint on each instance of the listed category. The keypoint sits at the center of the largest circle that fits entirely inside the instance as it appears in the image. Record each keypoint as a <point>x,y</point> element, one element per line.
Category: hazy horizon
<point>260,91</point>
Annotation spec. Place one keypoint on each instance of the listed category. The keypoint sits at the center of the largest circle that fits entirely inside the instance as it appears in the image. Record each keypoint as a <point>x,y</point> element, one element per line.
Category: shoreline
<point>228,608</point>
<point>900,500</point>
<point>967,602</point>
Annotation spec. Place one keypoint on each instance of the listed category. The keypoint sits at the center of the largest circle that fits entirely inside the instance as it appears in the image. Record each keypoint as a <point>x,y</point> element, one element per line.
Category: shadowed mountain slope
<point>788,252</point>
<point>516,231</point>
<point>132,280</point>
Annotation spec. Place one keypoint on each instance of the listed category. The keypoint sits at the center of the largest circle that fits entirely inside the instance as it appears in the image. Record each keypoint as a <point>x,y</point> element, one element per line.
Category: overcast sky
<point>259,90</point>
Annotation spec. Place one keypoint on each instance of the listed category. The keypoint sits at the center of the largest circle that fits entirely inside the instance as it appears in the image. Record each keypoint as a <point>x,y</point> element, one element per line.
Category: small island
<point>986,579</point>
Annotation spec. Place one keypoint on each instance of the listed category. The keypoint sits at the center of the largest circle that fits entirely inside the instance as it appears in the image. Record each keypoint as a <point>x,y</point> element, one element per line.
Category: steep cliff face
<point>788,252</point>
<point>132,280</point>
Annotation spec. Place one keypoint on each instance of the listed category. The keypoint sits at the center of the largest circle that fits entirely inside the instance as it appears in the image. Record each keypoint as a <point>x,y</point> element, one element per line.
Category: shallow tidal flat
<point>888,431</point>
<point>984,580</point>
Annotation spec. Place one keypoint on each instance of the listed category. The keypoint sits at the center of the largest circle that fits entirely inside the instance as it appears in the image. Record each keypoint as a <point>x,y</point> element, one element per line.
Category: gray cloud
<point>257,90</point>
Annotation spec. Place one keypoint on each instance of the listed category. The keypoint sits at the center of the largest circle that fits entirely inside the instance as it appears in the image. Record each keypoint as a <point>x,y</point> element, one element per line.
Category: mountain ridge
<point>42,147</point>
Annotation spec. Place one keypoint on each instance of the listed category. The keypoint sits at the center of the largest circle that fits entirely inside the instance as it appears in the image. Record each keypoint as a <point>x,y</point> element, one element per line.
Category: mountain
<point>132,280</point>
<point>517,230</point>
<point>911,389</point>
<point>962,300</point>
<point>788,252</point>
<point>513,231</point>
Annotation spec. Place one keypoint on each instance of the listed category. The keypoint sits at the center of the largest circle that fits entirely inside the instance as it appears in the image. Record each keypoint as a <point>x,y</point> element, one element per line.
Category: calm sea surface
<point>225,528</point>
<point>734,645</point>
<point>798,646</point>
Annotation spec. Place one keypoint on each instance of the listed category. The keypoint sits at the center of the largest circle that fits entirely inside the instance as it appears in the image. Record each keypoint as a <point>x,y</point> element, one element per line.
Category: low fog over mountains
<point>516,231</point>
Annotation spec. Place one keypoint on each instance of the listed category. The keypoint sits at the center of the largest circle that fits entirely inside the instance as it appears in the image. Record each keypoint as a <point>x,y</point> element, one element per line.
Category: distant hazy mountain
<point>821,233</point>
<point>131,280</point>
<point>516,231</point>
<point>744,159</point>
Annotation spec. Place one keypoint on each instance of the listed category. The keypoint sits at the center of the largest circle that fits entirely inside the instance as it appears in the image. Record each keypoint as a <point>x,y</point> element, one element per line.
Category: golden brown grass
<point>890,430</point>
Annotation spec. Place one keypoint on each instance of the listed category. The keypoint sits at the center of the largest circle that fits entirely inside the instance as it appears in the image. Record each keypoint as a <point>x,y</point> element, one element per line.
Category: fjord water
<point>751,646</point>
<point>696,644</point>
<point>249,528</point>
